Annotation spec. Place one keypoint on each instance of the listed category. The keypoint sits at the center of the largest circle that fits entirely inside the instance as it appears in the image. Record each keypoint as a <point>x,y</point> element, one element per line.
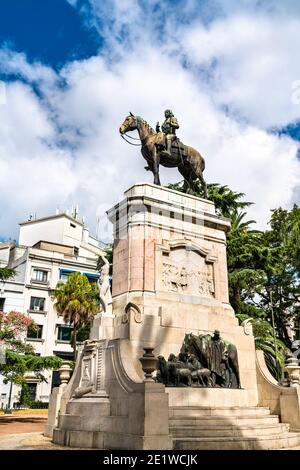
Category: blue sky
<point>51,31</point>
<point>72,69</point>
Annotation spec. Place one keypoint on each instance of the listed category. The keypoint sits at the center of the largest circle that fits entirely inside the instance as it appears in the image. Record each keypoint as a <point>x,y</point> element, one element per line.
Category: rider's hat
<point>168,111</point>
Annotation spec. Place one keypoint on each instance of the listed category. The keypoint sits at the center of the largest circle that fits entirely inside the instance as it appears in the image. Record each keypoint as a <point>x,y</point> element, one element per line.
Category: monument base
<point>169,280</point>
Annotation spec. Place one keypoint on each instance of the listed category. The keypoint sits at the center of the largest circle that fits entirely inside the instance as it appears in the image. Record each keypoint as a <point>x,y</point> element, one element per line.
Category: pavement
<point>25,432</point>
<point>28,441</point>
<point>22,423</point>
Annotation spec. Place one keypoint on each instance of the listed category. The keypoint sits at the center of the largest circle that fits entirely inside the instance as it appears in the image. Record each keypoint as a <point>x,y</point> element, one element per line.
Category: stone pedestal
<point>169,279</point>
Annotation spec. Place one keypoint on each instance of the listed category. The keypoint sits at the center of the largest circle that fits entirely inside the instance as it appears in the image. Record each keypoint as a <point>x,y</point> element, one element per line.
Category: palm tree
<point>274,349</point>
<point>238,224</point>
<point>75,300</point>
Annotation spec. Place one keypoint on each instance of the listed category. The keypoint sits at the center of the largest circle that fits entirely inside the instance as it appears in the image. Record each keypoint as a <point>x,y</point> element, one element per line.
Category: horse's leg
<point>204,186</point>
<point>155,168</point>
<point>201,379</point>
<point>195,171</point>
<point>198,174</point>
<point>187,188</point>
<point>149,167</point>
<point>209,381</point>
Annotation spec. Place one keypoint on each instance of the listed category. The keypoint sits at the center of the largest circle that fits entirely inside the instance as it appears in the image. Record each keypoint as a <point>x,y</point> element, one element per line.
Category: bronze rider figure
<point>169,129</point>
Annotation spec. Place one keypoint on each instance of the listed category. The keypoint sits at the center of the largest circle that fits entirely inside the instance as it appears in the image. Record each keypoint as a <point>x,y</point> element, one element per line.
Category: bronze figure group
<point>204,360</point>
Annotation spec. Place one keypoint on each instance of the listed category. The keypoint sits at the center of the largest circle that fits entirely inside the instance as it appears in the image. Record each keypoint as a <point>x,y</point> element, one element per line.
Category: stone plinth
<point>169,279</point>
<point>156,228</point>
<point>170,276</point>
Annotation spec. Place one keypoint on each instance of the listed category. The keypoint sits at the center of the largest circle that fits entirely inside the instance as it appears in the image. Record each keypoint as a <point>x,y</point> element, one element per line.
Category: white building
<point>49,250</point>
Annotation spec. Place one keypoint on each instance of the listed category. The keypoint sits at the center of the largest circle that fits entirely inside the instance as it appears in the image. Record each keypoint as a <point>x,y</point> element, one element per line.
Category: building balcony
<point>35,340</point>
<point>40,283</point>
<point>62,341</point>
<point>42,312</point>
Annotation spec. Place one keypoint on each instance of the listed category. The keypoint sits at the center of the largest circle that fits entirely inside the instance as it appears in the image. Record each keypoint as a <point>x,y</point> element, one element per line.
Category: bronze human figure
<point>173,154</point>
<point>169,128</point>
<point>217,357</point>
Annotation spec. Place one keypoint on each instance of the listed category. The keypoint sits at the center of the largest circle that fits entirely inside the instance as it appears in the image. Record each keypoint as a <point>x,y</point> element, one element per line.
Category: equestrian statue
<point>162,147</point>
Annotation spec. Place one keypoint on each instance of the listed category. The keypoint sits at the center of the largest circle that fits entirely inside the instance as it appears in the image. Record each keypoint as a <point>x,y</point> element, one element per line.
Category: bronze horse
<point>188,160</point>
<point>199,345</point>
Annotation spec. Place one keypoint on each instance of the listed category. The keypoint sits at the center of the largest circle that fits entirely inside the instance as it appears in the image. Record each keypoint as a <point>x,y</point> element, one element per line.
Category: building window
<point>64,332</point>
<point>35,332</point>
<point>64,276</point>
<point>76,250</point>
<point>2,302</point>
<point>40,275</point>
<point>92,279</point>
<point>37,303</point>
<point>30,390</point>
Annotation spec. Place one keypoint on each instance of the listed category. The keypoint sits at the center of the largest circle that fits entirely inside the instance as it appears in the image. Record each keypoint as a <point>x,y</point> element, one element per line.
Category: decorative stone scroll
<point>185,268</point>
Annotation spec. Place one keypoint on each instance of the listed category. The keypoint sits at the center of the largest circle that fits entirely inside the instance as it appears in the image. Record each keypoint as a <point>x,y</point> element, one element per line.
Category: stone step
<point>68,421</point>
<point>80,439</point>
<point>285,440</point>
<point>246,420</point>
<point>231,431</point>
<point>197,411</point>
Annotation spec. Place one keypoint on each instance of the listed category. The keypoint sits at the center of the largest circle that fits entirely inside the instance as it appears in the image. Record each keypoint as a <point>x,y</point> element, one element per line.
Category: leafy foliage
<point>76,302</point>
<point>18,365</point>
<point>19,356</point>
<point>109,253</point>
<point>6,273</point>
<point>274,349</point>
<point>13,326</point>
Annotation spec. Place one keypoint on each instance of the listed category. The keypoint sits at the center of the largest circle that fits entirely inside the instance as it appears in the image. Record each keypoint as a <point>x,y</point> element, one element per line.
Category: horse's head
<point>129,124</point>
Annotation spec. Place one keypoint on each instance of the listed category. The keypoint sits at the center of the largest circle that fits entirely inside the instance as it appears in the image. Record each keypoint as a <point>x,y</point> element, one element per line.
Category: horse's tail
<point>196,161</point>
<point>202,164</point>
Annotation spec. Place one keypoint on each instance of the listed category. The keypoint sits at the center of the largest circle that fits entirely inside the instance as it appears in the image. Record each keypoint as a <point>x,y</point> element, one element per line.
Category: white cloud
<point>96,166</point>
<point>35,177</point>
<point>255,61</point>
<point>16,63</point>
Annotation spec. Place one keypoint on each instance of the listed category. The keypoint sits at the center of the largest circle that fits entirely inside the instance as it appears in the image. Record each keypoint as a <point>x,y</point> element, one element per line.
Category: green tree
<point>6,273</point>
<point>274,349</point>
<point>19,357</point>
<point>109,253</point>
<point>246,258</point>
<point>279,295</point>
<point>75,301</point>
